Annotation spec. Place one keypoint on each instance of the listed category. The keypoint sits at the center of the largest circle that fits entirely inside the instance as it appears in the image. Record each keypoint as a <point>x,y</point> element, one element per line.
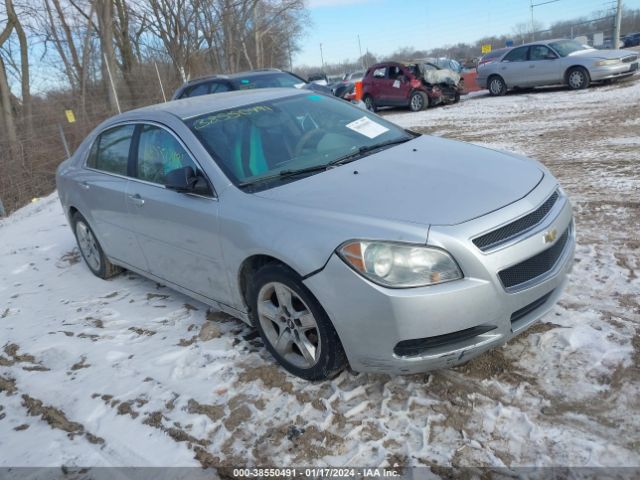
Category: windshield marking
<point>231,114</point>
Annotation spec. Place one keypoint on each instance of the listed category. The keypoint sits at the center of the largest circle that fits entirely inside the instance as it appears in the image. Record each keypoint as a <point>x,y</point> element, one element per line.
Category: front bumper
<point>613,71</point>
<point>372,321</point>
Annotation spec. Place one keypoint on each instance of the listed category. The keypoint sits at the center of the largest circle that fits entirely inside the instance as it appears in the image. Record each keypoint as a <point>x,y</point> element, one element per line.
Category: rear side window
<point>159,152</point>
<point>202,89</point>
<point>516,55</point>
<point>380,72</point>
<point>110,152</point>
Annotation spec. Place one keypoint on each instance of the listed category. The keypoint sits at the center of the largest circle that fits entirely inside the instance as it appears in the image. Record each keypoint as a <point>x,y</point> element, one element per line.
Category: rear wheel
<point>293,325</point>
<point>578,78</point>
<point>497,86</point>
<point>370,103</point>
<point>91,250</point>
<point>418,101</point>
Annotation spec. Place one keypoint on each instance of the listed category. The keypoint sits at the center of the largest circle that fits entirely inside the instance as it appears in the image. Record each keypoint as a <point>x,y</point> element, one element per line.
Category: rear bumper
<point>403,331</point>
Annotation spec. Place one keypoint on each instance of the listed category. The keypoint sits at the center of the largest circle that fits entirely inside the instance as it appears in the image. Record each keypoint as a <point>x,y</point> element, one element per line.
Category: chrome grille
<point>507,232</point>
<point>534,266</point>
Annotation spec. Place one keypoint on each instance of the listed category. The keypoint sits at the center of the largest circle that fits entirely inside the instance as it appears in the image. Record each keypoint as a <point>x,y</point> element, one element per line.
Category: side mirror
<point>185,180</point>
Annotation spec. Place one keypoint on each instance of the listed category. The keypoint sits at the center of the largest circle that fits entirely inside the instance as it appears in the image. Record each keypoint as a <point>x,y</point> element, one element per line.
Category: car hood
<point>605,54</point>
<point>428,180</point>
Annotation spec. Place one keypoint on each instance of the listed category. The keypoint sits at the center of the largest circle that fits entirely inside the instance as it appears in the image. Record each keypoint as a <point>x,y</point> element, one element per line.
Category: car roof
<point>232,76</point>
<point>200,105</point>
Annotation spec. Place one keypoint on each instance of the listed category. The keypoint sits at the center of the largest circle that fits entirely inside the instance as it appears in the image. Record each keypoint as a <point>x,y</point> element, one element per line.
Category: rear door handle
<point>532,66</point>
<point>136,199</point>
<point>85,185</point>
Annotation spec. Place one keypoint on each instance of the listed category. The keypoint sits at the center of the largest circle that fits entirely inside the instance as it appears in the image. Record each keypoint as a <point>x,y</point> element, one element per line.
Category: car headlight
<point>399,265</point>
<point>604,63</point>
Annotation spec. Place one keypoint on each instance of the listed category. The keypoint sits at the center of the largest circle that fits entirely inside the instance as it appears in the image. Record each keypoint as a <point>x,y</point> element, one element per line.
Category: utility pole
<point>321,58</point>
<point>616,25</point>
<point>360,48</point>
<point>531,5</point>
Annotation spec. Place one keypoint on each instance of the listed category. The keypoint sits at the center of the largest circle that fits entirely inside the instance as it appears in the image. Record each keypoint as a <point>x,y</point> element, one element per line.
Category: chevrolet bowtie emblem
<point>549,236</point>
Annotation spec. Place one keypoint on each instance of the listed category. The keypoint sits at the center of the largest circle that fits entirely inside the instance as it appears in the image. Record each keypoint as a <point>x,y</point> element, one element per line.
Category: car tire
<point>91,250</point>
<point>418,101</point>
<point>578,78</point>
<point>293,325</point>
<point>496,86</point>
<point>456,97</point>
<point>370,103</point>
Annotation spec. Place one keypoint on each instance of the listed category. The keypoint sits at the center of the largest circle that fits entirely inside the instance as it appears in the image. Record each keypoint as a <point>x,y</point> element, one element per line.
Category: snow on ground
<point>127,372</point>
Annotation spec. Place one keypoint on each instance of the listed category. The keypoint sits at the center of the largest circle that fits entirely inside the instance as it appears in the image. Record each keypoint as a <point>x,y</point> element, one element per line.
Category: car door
<point>544,68</point>
<point>378,84</point>
<point>397,85</point>
<point>103,187</point>
<point>177,232</point>
<point>514,69</point>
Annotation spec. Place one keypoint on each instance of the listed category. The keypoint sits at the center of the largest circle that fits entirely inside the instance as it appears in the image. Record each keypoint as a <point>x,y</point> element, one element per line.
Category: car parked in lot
<point>631,40</point>
<point>266,78</point>
<point>340,236</point>
<point>346,87</point>
<point>555,62</point>
<point>402,85</point>
<point>492,56</point>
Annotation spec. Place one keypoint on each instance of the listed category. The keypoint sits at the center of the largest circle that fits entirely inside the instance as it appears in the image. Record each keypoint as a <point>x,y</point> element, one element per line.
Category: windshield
<point>567,47</point>
<point>266,139</point>
<point>267,80</point>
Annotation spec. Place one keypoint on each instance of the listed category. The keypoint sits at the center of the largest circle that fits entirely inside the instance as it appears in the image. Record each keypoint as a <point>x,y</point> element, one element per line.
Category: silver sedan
<point>555,62</point>
<point>340,236</point>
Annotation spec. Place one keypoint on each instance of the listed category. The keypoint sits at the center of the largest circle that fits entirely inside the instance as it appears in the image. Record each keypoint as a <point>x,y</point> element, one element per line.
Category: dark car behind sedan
<point>268,78</point>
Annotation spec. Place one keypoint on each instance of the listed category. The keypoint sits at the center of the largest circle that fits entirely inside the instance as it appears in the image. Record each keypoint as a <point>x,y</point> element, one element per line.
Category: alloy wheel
<point>416,103</point>
<point>288,325</point>
<point>88,245</point>
<point>496,86</point>
<point>576,79</point>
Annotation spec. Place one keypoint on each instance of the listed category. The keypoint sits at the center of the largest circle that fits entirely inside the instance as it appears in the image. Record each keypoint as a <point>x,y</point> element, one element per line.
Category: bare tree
<point>12,17</point>
<point>5,92</point>
<point>174,23</point>
<point>73,45</point>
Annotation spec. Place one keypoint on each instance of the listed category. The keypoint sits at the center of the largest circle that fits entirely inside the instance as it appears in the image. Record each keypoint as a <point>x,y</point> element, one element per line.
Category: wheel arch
<point>571,67</point>
<point>252,264</point>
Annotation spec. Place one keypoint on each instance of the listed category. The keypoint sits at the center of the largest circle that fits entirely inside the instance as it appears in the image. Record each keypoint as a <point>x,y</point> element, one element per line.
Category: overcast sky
<point>385,25</point>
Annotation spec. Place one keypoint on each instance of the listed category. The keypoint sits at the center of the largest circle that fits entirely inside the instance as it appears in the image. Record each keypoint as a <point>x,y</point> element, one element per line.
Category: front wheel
<point>91,250</point>
<point>418,101</point>
<point>578,78</point>
<point>293,325</point>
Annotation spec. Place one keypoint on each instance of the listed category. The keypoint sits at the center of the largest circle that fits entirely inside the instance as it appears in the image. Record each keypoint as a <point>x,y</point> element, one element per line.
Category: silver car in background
<point>555,62</point>
<point>340,236</point>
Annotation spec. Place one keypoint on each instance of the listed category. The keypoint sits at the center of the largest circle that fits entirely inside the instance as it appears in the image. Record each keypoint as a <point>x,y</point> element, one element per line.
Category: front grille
<point>629,59</point>
<point>417,346</point>
<point>527,309</point>
<point>517,227</point>
<point>535,266</point>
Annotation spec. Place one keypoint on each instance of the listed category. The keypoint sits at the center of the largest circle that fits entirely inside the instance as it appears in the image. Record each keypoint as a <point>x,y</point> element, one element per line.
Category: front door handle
<point>85,185</point>
<point>136,199</point>
<point>532,66</point>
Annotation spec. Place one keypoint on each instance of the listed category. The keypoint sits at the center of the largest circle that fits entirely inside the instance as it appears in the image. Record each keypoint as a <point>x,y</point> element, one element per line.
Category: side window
<point>202,89</point>
<point>159,152</point>
<point>112,150</point>
<point>540,52</point>
<point>219,87</point>
<point>379,72</point>
<point>516,55</point>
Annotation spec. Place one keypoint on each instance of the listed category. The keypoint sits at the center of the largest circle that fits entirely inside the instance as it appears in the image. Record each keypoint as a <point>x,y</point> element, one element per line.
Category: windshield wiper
<point>285,174</point>
<point>352,156</point>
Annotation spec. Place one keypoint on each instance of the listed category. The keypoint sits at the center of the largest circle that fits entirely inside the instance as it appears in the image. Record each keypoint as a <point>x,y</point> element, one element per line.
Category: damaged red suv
<point>393,84</point>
